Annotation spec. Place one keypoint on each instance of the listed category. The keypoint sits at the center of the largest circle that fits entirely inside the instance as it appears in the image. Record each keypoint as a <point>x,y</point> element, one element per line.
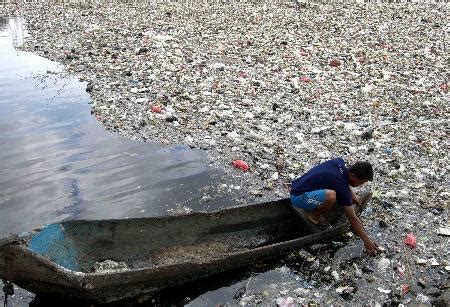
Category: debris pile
<point>340,273</point>
<point>280,86</point>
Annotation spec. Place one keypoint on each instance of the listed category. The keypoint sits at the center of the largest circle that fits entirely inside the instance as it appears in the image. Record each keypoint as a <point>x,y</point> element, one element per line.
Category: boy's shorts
<point>308,201</point>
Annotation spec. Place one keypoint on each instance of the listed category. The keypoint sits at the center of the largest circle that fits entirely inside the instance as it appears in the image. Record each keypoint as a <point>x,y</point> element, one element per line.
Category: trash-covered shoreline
<point>282,87</point>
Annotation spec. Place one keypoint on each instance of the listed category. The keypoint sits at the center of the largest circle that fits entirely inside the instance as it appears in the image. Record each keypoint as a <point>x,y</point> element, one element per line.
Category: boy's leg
<point>330,199</point>
<point>314,204</point>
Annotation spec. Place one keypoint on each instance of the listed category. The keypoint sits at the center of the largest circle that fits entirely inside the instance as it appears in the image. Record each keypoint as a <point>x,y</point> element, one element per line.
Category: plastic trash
<point>156,109</point>
<point>305,79</point>
<point>335,63</point>
<point>401,270</point>
<point>411,240</point>
<point>303,53</point>
<point>239,293</point>
<point>383,264</point>
<point>285,302</point>
<point>403,289</point>
<point>241,164</point>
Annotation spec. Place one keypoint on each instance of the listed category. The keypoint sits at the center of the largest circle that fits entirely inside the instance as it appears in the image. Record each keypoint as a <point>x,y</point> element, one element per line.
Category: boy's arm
<point>371,246</point>
<point>355,198</point>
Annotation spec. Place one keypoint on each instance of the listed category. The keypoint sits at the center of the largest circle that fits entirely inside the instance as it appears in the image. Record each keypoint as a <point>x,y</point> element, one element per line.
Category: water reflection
<point>57,162</point>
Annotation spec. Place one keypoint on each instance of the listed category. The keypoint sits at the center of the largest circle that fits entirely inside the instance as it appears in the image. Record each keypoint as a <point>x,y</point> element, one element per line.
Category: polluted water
<point>283,86</point>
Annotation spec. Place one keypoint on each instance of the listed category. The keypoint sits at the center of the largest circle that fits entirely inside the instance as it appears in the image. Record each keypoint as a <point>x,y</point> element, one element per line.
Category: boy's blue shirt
<point>330,175</point>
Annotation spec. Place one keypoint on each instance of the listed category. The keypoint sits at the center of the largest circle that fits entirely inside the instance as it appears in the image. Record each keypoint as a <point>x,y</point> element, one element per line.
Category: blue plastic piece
<point>52,243</point>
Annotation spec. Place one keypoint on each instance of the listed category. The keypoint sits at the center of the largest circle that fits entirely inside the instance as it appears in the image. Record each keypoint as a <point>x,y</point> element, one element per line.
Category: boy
<point>328,183</point>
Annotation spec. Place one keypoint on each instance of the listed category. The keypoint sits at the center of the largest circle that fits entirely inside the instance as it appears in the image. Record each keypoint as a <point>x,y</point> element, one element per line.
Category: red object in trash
<point>242,74</point>
<point>405,289</point>
<point>444,87</point>
<point>156,109</point>
<point>305,79</point>
<point>401,270</point>
<point>410,240</point>
<point>335,63</point>
<point>303,53</point>
<point>241,164</point>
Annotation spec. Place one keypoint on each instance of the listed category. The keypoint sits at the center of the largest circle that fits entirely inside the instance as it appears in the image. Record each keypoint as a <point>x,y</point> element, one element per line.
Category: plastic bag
<point>241,164</point>
<point>156,109</point>
<point>411,240</point>
<point>335,63</point>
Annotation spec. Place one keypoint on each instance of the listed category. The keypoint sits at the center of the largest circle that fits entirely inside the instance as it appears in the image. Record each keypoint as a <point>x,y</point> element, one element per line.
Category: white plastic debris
<point>284,292</point>
<point>246,299</point>
<point>421,261</point>
<point>434,262</point>
<point>347,289</point>
<point>274,176</point>
<point>443,231</point>
<point>302,291</point>
<point>422,298</point>
<point>285,302</point>
<point>335,275</point>
<point>383,264</point>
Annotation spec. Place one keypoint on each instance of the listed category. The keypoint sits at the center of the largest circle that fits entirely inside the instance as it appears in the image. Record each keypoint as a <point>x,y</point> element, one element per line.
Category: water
<point>57,162</point>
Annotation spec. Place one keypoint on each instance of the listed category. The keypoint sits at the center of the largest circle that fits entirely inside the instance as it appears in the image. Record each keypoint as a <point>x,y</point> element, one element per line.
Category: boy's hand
<point>371,247</point>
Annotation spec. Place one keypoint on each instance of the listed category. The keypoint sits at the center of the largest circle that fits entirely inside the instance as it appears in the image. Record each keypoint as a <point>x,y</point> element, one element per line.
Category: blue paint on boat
<point>51,242</point>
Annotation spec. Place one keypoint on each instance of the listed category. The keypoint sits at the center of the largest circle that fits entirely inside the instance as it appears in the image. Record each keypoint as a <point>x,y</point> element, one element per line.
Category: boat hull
<point>157,252</point>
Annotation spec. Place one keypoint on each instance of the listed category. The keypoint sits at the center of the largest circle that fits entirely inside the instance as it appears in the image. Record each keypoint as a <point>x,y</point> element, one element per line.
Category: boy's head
<point>359,173</point>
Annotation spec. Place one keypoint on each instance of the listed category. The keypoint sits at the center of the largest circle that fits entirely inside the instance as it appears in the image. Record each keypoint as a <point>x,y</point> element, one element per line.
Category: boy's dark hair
<point>362,170</point>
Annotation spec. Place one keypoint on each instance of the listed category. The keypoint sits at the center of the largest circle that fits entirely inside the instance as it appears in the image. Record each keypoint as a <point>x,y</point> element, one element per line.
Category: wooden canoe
<point>109,260</point>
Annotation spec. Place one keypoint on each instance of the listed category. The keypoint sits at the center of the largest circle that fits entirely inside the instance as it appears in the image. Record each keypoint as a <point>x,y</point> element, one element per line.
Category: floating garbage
<point>443,231</point>
<point>285,302</point>
<point>246,299</point>
<point>345,289</point>
<point>260,90</point>
<point>376,90</point>
<point>241,164</point>
<point>422,298</point>
<point>411,240</point>
<point>156,109</point>
<point>305,79</point>
<point>383,264</point>
<point>335,275</point>
<point>434,262</point>
<point>421,261</point>
<point>403,289</point>
<point>386,291</point>
<point>335,63</point>
<point>401,270</point>
<point>240,292</point>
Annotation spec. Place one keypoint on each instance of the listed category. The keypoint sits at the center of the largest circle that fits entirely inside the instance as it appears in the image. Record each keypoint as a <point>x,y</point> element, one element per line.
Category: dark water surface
<point>57,162</point>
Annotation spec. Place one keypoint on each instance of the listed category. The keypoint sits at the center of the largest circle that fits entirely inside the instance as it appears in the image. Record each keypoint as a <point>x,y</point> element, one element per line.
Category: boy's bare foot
<point>313,218</point>
<point>318,221</point>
